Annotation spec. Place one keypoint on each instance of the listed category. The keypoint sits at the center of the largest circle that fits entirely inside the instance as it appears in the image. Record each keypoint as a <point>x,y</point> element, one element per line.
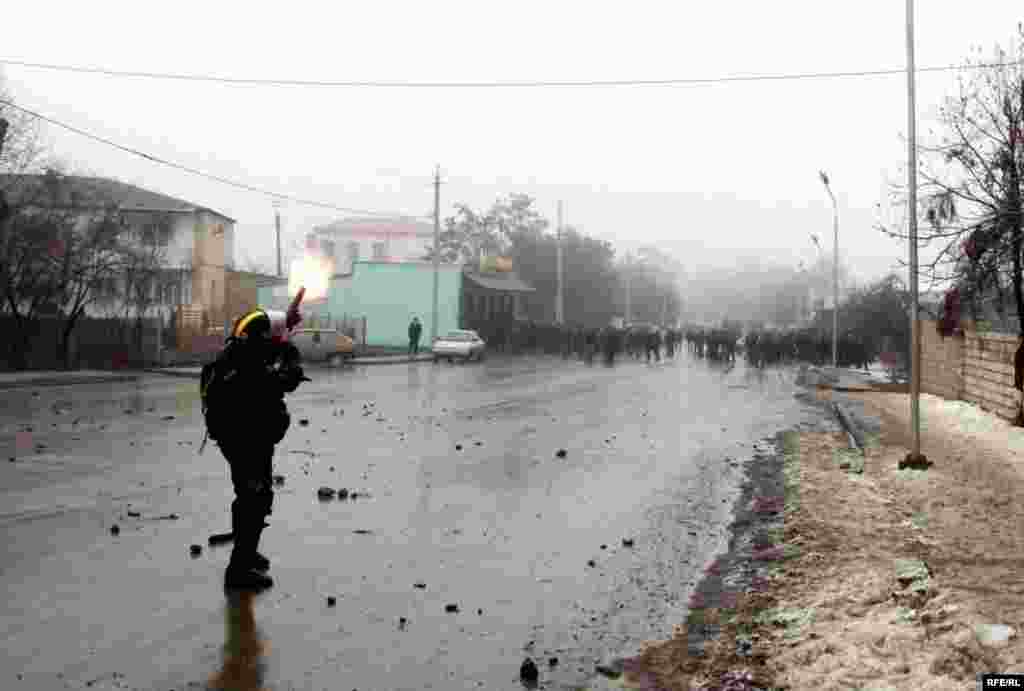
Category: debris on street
<point>528,671</point>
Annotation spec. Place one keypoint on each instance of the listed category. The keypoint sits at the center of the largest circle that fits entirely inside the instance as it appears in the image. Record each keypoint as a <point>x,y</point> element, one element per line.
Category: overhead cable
<point>530,84</point>
<point>209,176</point>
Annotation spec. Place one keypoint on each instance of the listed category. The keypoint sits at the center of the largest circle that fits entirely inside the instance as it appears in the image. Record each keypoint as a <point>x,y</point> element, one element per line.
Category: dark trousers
<point>414,346</point>
<point>251,467</point>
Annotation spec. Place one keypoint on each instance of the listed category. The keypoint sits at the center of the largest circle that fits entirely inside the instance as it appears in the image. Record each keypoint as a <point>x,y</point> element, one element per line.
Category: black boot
<point>242,572</point>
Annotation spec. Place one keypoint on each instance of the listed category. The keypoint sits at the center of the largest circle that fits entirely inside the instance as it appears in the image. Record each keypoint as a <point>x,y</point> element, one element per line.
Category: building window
<point>379,251</point>
<point>328,248</point>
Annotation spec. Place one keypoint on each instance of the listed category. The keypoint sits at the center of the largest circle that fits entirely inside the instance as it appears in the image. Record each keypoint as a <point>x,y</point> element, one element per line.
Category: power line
<point>512,84</point>
<point>209,176</point>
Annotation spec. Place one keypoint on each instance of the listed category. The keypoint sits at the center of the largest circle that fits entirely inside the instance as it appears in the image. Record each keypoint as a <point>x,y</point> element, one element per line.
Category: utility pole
<point>559,297</point>
<point>835,273</point>
<point>629,297</point>
<point>915,459</point>
<point>437,249</point>
<point>277,226</point>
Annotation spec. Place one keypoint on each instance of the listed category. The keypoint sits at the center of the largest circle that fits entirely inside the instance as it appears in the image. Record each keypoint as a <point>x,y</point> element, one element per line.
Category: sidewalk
<point>193,372</point>
<point>21,380</point>
<point>882,578</point>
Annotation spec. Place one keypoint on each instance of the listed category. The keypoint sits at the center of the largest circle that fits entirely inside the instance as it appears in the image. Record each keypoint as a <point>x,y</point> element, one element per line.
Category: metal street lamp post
<point>835,273</point>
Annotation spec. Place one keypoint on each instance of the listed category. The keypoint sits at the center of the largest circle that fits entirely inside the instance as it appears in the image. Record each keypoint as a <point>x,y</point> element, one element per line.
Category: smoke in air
<point>313,273</point>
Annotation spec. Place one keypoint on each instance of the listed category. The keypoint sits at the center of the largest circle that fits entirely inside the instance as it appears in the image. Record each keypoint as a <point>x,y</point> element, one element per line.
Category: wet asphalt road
<point>501,528</point>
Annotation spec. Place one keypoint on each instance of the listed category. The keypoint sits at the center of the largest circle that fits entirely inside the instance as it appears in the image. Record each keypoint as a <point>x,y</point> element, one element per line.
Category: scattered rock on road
<point>115,529</point>
<point>458,447</point>
<point>627,542</point>
<point>134,514</point>
<point>343,494</point>
<point>591,563</point>
<point>304,422</point>
<point>331,601</point>
<point>420,585</point>
<point>195,550</point>
<point>167,417</point>
<point>528,672</point>
<point>451,608</point>
<point>552,661</point>
<point>614,669</point>
<point>402,621</point>
<point>561,453</point>
<point>325,493</point>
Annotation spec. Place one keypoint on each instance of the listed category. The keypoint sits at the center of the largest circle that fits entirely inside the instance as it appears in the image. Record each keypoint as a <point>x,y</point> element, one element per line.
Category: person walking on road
<point>415,329</point>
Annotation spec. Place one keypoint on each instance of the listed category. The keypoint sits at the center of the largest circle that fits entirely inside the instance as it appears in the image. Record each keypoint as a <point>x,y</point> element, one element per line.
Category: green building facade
<point>388,295</point>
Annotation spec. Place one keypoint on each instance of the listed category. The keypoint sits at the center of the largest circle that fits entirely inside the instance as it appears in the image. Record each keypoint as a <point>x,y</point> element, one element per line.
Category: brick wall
<point>988,372</point>
<point>976,367</point>
<point>942,371</point>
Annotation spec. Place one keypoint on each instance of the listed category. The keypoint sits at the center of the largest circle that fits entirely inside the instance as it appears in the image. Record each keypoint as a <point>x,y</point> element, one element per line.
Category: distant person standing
<point>415,329</point>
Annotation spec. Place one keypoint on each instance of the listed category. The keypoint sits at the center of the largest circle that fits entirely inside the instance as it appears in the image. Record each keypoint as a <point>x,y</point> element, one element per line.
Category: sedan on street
<point>464,345</point>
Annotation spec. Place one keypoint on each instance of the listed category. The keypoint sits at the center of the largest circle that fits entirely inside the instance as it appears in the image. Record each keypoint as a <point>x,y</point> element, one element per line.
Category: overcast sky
<point>704,172</point>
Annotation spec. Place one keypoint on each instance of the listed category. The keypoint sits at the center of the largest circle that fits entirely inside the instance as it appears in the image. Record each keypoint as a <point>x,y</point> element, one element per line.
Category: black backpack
<point>215,381</point>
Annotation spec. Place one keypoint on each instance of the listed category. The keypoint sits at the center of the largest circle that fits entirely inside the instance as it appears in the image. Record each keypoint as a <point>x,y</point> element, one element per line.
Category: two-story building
<point>351,240</point>
<point>191,247</point>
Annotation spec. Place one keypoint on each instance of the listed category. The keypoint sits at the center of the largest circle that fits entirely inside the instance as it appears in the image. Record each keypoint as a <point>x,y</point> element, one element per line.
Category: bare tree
<point>971,185</point>
<point>62,246</point>
<point>23,150</point>
<point>143,270</point>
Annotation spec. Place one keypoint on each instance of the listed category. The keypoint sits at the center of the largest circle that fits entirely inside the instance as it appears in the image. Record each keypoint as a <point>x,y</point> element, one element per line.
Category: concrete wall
<point>942,371</point>
<point>388,295</point>
<point>988,372</point>
<point>212,255</point>
<point>976,367</point>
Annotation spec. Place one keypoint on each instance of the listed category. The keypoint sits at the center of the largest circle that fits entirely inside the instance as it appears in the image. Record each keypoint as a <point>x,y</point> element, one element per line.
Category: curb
<point>846,420</point>
<point>356,361</point>
<point>69,381</point>
<point>169,373</point>
<point>382,361</point>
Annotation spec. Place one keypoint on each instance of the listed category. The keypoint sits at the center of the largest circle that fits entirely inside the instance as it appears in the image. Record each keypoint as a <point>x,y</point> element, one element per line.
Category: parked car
<point>323,345</point>
<point>464,345</point>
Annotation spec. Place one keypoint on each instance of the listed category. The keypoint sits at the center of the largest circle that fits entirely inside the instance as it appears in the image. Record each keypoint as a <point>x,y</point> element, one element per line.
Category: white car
<point>464,345</point>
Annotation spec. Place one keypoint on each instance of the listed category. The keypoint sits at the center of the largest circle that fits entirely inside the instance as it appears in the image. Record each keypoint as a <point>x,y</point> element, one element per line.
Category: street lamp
<point>835,272</point>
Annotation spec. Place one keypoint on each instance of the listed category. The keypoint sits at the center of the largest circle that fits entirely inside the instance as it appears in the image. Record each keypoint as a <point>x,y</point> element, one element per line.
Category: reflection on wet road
<point>472,545</point>
<point>244,667</point>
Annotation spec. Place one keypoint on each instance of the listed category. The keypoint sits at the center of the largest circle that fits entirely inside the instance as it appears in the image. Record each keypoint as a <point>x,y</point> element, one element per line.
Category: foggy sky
<point>708,173</point>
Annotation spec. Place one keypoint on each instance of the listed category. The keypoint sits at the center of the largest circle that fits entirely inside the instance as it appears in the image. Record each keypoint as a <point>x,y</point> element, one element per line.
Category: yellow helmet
<point>272,322</point>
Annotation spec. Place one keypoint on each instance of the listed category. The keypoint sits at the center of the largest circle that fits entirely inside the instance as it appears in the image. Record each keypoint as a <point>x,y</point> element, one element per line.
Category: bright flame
<point>312,272</point>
